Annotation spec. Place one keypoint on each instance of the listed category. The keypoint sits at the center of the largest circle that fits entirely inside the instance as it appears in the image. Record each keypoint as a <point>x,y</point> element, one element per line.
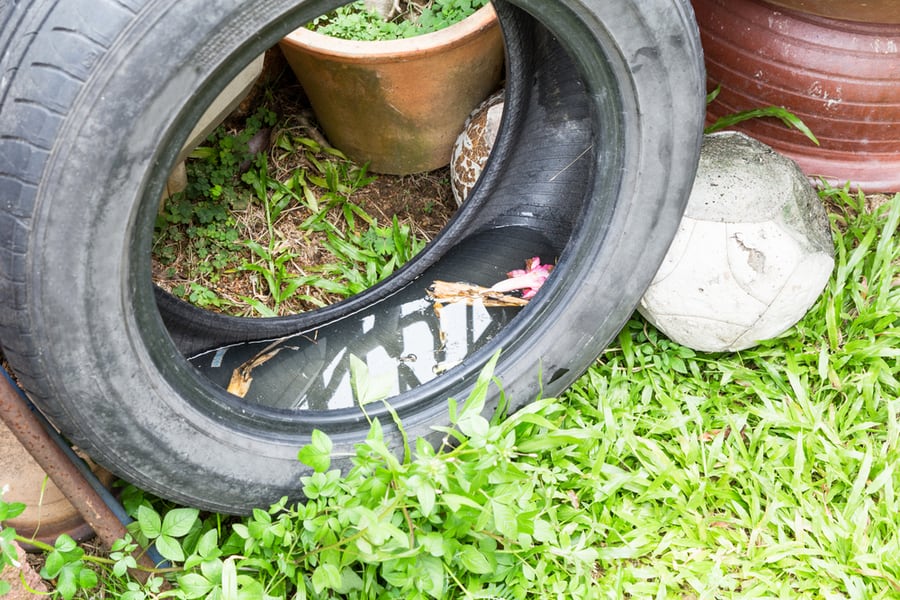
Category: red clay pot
<point>841,78</point>
<point>399,104</point>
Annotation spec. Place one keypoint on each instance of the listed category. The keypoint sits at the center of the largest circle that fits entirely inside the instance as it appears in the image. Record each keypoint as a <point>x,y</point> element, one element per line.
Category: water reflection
<point>402,341</point>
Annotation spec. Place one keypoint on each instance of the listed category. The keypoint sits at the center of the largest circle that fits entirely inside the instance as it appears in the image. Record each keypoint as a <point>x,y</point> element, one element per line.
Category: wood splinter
<point>448,292</point>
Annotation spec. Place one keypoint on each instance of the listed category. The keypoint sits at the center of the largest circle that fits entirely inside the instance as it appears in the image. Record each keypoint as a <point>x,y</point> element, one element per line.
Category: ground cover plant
<point>276,221</point>
<point>662,472</point>
<point>374,20</point>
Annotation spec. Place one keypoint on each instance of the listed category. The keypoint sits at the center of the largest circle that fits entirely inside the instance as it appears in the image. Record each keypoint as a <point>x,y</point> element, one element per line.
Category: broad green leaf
<point>431,577</point>
<point>149,521</point>
<point>505,519</point>
<point>169,548</point>
<point>473,560</point>
<point>455,502</point>
<point>194,585</point>
<point>432,543</point>
<point>326,577</point>
<point>317,454</point>
<point>350,582</point>
<point>87,579</point>
<point>8,552</point>
<point>10,510</point>
<point>426,495</point>
<point>475,427</point>
<point>208,544</point>
<point>212,569</point>
<point>179,521</point>
<point>544,532</point>
<point>53,564</point>
<point>250,588</point>
<point>474,404</point>
<point>67,582</point>
<point>65,544</point>
<point>123,564</point>
<point>369,387</point>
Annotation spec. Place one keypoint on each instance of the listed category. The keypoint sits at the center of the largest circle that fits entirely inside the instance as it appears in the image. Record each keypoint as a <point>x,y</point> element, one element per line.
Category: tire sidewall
<point>103,343</point>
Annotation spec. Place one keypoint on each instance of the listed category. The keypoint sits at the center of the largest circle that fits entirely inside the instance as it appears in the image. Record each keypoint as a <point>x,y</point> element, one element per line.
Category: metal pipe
<point>58,460</point>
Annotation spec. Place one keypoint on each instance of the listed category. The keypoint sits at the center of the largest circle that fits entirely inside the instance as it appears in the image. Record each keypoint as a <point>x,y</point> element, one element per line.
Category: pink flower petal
<point>529,280</point>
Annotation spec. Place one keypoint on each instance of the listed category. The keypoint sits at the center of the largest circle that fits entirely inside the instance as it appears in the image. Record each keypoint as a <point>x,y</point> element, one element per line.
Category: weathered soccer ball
<point>752,254</point>
<point>474,145</point>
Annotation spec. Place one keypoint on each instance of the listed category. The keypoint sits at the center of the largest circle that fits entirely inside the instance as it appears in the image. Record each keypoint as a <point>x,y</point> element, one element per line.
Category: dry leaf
<point>242,377</point>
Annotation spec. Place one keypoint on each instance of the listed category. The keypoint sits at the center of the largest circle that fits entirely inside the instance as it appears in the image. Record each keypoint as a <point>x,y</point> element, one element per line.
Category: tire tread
<point>49,48</point>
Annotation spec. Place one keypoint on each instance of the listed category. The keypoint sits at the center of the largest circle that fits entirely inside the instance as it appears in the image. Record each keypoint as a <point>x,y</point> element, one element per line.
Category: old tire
<point>594,162</point>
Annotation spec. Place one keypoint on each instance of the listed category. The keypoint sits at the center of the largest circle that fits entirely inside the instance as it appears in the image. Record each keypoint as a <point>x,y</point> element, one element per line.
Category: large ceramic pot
<point>399,104</point>
<point>841,78</point>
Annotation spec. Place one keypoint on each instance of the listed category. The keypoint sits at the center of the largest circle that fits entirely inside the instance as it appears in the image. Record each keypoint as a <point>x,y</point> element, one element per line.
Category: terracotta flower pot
<point>399,104</point>
<point>841,78</point>
<point>48,514</point>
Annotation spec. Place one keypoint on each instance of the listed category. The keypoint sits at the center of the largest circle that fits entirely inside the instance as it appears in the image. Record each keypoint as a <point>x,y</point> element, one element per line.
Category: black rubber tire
<point>596,154</point>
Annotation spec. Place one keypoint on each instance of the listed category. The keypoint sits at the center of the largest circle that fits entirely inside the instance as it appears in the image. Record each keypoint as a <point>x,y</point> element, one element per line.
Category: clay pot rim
<point>399,50</point>
<point>840,10</point>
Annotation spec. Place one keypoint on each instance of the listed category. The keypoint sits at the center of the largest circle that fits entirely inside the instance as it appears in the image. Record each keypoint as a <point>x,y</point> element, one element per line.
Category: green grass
<point>663,472</point>
<point>767,473</point>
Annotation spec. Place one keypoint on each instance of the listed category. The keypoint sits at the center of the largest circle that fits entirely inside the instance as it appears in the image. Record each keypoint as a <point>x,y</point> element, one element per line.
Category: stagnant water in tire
<point>393,346</point>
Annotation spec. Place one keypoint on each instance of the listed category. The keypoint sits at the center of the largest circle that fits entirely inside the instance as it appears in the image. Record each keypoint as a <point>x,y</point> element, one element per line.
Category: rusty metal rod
<point>58,460</point>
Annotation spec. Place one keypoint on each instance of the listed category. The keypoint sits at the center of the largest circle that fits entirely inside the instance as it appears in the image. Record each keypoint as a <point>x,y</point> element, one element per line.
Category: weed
<point>198,221</point>
<point>354,22</point>
<point>324,191</point>
<point>662,472</point>
<point>776,112</point>
<point>201,296</point>
<point>204,234</point>
<point>365,259</point>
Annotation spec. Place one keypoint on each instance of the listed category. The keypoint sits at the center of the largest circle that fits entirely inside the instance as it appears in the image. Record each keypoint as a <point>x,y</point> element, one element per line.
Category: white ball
<point>752,254</point>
